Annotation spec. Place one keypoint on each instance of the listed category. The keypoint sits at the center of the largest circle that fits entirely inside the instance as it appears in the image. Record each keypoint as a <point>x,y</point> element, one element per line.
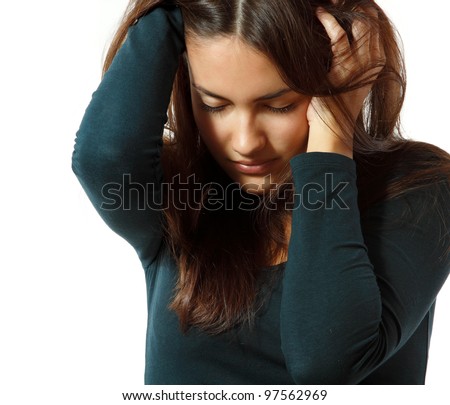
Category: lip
<point>254,167</point>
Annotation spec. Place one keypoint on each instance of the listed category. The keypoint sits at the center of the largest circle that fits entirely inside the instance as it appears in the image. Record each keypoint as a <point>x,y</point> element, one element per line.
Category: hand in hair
<point>357,61</point>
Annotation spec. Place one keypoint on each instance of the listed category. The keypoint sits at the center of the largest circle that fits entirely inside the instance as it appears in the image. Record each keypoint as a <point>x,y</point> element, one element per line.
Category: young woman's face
<point>250,120</point>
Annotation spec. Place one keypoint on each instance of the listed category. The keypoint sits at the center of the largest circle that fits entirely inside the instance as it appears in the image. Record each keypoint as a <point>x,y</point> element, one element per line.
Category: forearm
<point>357,288</point>
<point>331,306</point>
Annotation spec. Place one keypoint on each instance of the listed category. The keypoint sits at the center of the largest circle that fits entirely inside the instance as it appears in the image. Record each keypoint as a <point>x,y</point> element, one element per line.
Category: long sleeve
<point>118,144</point>
<point>353,295</point>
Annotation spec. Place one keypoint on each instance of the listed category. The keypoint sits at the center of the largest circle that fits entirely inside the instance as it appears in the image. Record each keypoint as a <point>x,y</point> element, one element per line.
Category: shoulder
<point>416,223</point>
<point>415,202</point>
<point>404,198</point>
<point>406,169</point>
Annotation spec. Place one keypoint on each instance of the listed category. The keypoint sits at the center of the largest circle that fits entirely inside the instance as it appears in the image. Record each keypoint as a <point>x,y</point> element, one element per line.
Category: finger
<point>377,48</point>
<point>362,40</point>
<point>337,35</point>
<point>367,36</point>
<point>360,31</point>
<point>379,56</point>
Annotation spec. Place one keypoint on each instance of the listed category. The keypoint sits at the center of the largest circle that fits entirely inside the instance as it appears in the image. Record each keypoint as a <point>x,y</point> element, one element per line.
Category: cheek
<point>206,122</point>
<point>211,132</point>
<point>290,133</point>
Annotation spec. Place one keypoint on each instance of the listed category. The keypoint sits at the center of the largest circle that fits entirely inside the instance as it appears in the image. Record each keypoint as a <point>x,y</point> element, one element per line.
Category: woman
<point>288,233</point>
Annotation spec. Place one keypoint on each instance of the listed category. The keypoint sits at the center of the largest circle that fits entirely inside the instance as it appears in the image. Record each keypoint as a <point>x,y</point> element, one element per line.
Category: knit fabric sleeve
<point>117,150</point>
<point>352,299</point>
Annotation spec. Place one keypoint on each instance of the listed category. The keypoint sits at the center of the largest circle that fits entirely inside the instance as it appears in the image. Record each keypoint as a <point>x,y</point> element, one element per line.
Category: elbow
<point>82,163</point>
<point>311,363</point>
<point>82,154</point>
<point>90,165</point>
<point>335,364</point>
<point>91,158</point>
<point>77,163</point>
<point>316,371</point>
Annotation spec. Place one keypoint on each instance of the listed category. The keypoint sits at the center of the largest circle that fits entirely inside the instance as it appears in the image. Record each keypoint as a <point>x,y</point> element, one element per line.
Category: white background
<point>72,293</point>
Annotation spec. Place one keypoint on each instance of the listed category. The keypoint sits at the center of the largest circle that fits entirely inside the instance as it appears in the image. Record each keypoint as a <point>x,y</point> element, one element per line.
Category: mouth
<point>254,167</point>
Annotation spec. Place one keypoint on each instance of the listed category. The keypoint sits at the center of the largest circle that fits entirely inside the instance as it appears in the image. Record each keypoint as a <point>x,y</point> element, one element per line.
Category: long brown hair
<point>221,252</point>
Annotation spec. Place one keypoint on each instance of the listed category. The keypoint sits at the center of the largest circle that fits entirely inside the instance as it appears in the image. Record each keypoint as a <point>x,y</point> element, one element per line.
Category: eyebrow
<point>269,96</point>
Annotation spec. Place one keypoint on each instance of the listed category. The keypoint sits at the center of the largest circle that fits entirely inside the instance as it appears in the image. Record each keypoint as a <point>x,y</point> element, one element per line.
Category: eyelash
<point>282,110</point>
<point>209,109</point>
<point>218,110</point>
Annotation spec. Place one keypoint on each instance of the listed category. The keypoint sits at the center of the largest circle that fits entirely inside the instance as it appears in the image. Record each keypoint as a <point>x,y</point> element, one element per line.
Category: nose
<point>248,138</point>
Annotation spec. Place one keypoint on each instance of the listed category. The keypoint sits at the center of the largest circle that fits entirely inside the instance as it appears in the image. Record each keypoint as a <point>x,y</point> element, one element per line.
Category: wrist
<point>325,139</point>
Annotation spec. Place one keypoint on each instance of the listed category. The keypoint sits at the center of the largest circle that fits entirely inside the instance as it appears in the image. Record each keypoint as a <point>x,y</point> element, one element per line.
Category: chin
<point>254,189</point>
<point>258,185</point>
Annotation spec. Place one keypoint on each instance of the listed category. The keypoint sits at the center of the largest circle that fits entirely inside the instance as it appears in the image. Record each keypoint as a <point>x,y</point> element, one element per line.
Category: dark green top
<point>353,304</point>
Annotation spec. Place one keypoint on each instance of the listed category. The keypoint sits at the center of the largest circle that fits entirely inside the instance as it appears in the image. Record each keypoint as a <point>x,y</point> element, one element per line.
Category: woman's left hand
<point>348,59</point>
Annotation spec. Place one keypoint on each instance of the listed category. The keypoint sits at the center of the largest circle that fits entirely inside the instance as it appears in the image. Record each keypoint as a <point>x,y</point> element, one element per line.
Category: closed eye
<point>212,110</point>
<point>216,110</point>
<point>282,110</point>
